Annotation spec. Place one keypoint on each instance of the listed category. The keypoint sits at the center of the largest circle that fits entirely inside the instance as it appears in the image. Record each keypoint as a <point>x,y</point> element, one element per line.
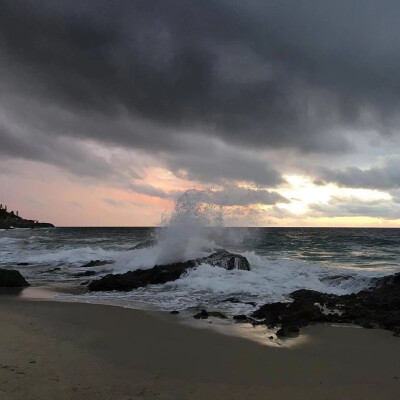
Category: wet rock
<point>11,278</point>
<point>23,264</point>
<point>396,331</point>
<point>375,307</point>
<point>96,263</point>
<point>141,277</point>
<point>174,312</point>
<point>288,331</point>
<point>83,274</point>
<point>244,319</point>
<point>224,259</point>
<point>160,274</point>
<point>237,301</point>
<point>240,317</point>
<point>217,314</point>
<point>203,314</point>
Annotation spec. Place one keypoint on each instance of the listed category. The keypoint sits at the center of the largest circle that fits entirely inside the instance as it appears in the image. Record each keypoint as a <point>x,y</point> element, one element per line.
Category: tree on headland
<point>11,219</point>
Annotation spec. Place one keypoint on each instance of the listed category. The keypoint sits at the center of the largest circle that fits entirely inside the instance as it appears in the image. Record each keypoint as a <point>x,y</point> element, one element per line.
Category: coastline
<point>52,349</point>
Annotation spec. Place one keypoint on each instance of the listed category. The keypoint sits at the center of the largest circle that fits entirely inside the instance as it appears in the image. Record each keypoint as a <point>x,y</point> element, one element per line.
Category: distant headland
<point>11,219</point>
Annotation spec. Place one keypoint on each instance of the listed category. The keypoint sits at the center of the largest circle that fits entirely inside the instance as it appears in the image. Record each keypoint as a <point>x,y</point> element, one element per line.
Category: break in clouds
<point>218,92</point>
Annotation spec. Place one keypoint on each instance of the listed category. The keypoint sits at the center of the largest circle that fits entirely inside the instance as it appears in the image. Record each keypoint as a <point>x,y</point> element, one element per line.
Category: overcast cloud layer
<point>207,89</point>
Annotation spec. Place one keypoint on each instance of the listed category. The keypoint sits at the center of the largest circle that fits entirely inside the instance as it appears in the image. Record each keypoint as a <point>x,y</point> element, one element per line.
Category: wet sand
<point>53,350</point>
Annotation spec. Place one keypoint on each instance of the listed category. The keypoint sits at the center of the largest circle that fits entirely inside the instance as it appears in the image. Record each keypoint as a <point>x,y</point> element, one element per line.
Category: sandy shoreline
<point>54,350</point>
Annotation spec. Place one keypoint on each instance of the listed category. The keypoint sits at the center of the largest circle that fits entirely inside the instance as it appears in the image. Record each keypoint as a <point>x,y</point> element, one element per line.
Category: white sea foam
<point>268,281</point>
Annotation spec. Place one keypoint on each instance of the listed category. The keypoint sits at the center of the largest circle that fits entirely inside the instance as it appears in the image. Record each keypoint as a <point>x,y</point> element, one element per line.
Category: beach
<point>59,350</point>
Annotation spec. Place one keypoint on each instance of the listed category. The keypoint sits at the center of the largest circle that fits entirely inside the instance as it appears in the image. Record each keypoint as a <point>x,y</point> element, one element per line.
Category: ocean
<point>331,260</point>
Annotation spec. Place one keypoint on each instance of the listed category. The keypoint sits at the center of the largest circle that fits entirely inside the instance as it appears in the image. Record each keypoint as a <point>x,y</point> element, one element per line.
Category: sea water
<point>331,260</point>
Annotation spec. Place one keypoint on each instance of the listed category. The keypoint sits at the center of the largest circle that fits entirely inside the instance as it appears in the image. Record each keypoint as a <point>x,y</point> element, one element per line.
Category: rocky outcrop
<point>160,274</point>
<point>234,300</point>
<point>13,220</point>
<point>84,274</point>
<point>224,259</point>
<point>96,263</point>
<point>376,307</point>
<point>10,278</point>
<point>142,277</point>
<point>204,314</point>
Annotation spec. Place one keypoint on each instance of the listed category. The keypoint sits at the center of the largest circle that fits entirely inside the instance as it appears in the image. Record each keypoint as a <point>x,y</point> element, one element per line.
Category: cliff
<point>13,220</point>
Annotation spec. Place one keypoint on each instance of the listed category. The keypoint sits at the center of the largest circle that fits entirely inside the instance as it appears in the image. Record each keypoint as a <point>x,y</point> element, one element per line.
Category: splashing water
<point>185,235</point>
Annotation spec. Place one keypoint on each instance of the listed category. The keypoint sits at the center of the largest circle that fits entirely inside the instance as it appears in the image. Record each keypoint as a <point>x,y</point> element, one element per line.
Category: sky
<point>278,112</point>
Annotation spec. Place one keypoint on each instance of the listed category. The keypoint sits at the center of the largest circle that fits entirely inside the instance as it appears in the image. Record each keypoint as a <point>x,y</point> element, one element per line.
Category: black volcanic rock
<point>11,278</point>
<point>375,307</point>
<point>83,274</point>
<point>234,300</point>
<point>160,274</point>
<point>141,277</point>
<point>204,314</point>
<point>288,331</point>
<point>96,263</point>
<point>224,259</point>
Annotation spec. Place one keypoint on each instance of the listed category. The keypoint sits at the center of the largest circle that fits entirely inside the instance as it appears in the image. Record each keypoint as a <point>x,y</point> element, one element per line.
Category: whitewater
<point>282,260</point>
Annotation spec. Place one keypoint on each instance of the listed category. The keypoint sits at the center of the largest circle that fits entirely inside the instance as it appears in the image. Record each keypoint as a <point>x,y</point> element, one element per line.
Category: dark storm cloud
<point>255,74</point>
<point>231,195</point>
<point>59,151</point>
<point>228,196</point>
<point>385,176</point>
<point>210,161</point>
<point>149,190</point>
<point>239,196</point>
<point>352,207</point>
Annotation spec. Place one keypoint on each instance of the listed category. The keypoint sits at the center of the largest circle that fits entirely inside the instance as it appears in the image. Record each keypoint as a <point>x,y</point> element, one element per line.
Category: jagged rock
<point>83,274</point>
<point>288,331</point>
<point>375,307</point>
<point>160,274</point>
<point>96,263</point>
<point>241,318</point>
<point>224,259</point>
<point>217,314</point>
<point>12,278</point>
<point>204,314</point>
<point>142,277</point>
<point>237,301</point>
